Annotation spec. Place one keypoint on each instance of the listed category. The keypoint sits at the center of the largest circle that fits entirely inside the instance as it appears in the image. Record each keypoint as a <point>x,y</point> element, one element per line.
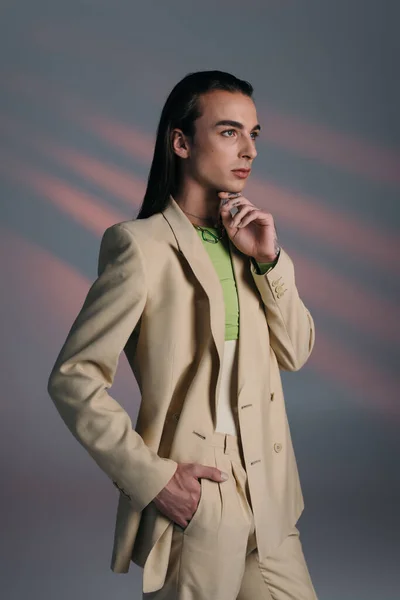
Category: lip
<point>242,173</point>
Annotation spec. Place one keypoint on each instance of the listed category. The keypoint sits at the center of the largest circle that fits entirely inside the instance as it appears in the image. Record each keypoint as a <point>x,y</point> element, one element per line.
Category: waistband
<point>226,441</point>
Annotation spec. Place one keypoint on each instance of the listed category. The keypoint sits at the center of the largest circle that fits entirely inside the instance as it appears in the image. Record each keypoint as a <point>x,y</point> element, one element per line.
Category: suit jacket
<point>158,298</point>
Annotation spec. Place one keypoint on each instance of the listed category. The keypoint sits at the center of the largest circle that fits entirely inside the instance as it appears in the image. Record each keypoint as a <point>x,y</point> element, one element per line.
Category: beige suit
<point>158,297</point>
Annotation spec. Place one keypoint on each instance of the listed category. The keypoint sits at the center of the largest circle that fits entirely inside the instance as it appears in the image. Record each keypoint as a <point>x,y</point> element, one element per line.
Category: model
<point>202,298</point>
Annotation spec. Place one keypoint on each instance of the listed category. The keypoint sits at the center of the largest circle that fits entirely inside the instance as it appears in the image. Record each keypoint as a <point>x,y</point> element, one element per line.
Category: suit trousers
<point>215,556</point>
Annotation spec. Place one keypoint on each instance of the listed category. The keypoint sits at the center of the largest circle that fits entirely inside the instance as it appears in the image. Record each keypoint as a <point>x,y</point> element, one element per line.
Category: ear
<point>180,144</point>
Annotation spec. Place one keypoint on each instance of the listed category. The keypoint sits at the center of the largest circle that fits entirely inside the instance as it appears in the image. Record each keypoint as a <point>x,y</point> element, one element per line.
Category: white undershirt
<point>227,401</point>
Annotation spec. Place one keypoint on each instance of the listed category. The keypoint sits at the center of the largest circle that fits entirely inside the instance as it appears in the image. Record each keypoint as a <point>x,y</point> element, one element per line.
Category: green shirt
<point>220,256</point>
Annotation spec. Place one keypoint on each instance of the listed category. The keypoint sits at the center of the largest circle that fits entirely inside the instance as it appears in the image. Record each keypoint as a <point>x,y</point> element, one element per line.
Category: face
<point>224,141</point>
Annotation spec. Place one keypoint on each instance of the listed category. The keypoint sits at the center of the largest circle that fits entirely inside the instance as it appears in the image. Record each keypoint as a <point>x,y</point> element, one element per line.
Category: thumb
<point>212,473</point>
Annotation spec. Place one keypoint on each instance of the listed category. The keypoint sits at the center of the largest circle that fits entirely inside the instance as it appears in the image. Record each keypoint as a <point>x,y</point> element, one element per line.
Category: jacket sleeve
<point>86,365</point>
<point>291,326</point>
<point>262,268</point>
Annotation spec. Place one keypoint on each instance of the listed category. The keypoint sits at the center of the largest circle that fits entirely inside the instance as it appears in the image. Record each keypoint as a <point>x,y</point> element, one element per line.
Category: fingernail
<point>224,476</point>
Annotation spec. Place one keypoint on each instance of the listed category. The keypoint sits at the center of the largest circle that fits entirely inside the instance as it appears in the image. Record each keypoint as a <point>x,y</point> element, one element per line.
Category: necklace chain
<point>197,216</point>
<point>204,232</point>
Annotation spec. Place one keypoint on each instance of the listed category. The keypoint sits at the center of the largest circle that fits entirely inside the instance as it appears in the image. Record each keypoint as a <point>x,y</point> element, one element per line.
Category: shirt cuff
<point>263,268</point>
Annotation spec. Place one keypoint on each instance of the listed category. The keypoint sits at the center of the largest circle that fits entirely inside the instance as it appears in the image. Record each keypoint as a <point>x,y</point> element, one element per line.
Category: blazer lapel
<point>190,245</point>
<point>240,265</point>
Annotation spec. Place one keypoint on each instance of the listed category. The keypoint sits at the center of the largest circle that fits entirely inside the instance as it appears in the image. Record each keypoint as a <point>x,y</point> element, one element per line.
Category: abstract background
<point>83,84</point>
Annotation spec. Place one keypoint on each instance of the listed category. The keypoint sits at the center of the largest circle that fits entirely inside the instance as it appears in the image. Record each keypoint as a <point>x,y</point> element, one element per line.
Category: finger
<point>182,523</point>
<point>255,214</point>
<point>229,194</point>
<point>232,207</point>
<point>224,208</point>
<point>243,211</point>
<point>209,473</point>
<point>231,212</point>
<point>239,213</point>
<point>226,197</point>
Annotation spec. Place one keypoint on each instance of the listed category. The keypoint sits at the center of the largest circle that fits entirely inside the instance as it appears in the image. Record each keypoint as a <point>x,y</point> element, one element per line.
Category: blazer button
<point>176,416</point>
<point>277,447</point>
<point>272,396</point>
<point>276,282</point>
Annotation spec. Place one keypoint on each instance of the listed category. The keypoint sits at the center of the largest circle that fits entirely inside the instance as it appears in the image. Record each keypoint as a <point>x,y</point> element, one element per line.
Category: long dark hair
<point>181,110</point>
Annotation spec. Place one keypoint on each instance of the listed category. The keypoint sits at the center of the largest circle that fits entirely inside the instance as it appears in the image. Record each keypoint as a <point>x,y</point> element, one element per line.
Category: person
<point>203,301</point>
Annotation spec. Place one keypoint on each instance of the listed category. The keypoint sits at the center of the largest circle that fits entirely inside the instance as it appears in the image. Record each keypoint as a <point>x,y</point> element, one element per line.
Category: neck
<point>201,207</point>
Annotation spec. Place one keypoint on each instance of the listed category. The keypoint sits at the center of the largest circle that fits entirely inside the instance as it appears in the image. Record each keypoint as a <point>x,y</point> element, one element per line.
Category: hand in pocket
<point>179,500</point>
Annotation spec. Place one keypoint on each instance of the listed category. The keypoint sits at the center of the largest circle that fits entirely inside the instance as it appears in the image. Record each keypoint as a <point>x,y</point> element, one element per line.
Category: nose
<point>248,149</point>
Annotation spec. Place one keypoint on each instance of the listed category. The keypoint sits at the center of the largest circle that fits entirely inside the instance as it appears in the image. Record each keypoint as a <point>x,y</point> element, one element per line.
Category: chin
<point>237,187</point>
<point>232,186</point>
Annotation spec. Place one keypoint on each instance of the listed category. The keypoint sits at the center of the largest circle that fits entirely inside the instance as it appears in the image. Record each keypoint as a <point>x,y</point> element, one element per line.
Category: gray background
<point>83,84</point>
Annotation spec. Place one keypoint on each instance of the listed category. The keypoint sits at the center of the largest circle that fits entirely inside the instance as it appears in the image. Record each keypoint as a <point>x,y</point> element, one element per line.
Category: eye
<point>228,131</point>
<point>255,134</point>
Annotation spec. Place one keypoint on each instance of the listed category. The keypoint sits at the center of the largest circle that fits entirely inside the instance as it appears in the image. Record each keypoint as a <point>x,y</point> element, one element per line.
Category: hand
<point>179,499</point>
<point>251,230</point>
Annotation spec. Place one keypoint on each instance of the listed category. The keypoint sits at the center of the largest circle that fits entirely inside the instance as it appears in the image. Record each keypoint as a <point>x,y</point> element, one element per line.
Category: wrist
<point>268,258</point>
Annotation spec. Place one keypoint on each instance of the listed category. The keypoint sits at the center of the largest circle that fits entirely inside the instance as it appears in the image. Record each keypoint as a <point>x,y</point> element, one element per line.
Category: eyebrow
<point>236,124</point>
